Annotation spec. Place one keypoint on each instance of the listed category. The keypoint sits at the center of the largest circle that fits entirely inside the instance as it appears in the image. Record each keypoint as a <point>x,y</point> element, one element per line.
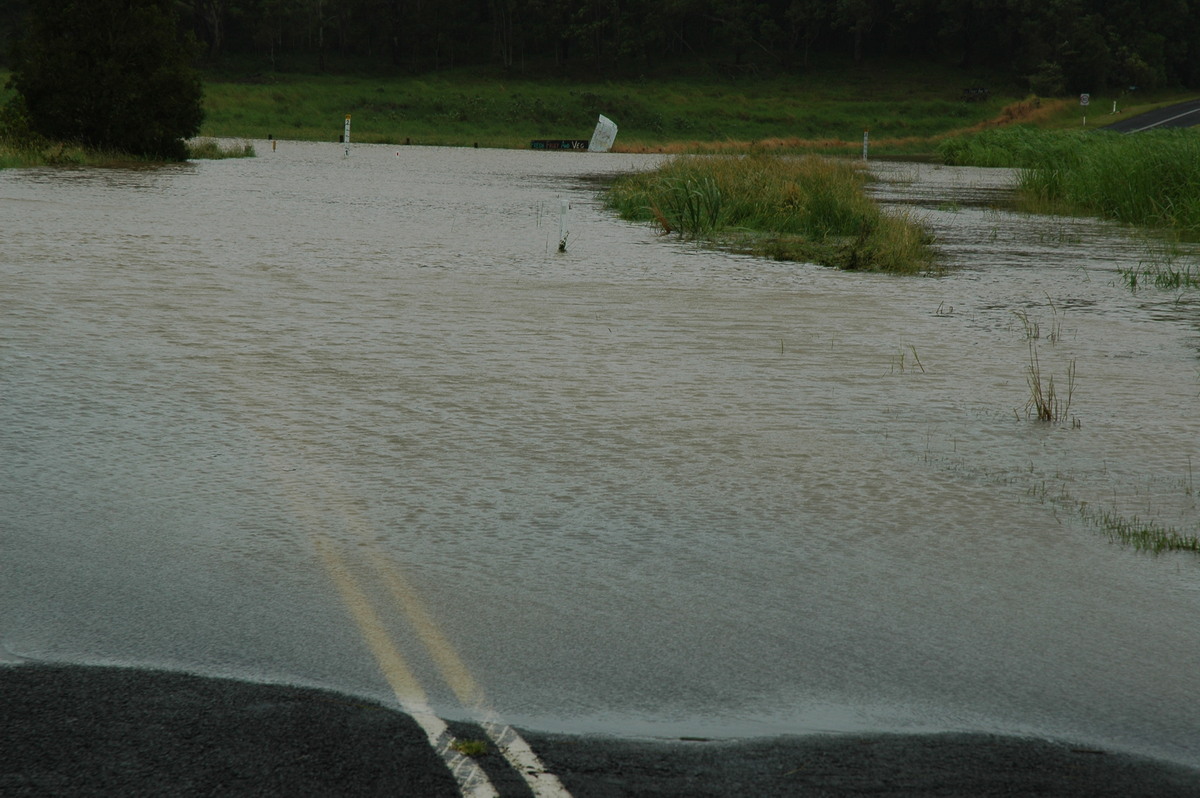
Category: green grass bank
<point>802,209</point>
<point>906,108</point>
<point>45,153</point>
<point>1150,179</point>
<point>825,110</point>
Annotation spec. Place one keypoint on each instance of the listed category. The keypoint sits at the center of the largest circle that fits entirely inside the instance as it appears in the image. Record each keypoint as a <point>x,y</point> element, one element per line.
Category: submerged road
<point>83,731</point>
<point>373,439</point>
<point>1185,114</point>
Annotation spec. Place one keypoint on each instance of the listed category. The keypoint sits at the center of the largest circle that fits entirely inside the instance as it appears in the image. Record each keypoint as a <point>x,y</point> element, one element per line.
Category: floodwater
<point>635,487</point>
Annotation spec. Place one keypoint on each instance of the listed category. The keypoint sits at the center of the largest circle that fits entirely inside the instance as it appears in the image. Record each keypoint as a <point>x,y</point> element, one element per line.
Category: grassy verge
<point>826,109</point>
<point>13,155</point>
<point>1015,147</point>
<point>1150,179</point>
<point>802,209</point>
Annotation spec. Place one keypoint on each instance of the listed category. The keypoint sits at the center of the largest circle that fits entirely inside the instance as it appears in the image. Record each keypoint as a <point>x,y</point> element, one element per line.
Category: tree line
<point>1054,46</point>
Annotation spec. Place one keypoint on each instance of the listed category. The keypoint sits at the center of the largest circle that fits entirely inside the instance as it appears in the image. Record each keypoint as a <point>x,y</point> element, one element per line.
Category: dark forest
<point>1049,46</point>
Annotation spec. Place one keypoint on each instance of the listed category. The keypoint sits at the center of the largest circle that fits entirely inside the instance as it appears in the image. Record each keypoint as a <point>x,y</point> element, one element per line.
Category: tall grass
<point>1044,398</point>
<point>1150,178</point>
<point>789,208</point>
<point>1015,147</point>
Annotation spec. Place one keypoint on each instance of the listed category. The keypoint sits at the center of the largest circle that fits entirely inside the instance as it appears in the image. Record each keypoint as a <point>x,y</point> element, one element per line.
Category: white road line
<point>1165,121</point>
<point>472,781</point>
<point>542,782</point>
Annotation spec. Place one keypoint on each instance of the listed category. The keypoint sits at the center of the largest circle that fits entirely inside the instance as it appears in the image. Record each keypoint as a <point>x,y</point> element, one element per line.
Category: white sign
<point>1084,99</point>
<point>603,136</point>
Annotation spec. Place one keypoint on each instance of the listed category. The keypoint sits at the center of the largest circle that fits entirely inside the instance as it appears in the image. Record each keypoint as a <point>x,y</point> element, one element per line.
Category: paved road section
<point>1179,115</point>
<point>83,731</point>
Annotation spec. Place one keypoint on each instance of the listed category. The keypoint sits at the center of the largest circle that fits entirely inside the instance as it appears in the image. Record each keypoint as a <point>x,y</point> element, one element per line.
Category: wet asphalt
<point>100,731</point>
<point>1185,114</point>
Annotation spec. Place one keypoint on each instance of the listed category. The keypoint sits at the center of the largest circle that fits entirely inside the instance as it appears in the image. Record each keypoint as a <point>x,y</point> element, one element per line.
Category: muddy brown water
<point>636,487</point>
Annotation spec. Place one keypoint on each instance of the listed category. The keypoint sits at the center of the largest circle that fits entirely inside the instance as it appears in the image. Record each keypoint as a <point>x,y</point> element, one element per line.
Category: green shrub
<point>109,74</point>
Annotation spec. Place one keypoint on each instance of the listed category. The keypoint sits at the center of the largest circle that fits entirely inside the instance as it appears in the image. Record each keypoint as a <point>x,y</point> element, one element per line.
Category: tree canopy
<point>113,74</point>
<point>1051,46</point>
<point>1055,46</point>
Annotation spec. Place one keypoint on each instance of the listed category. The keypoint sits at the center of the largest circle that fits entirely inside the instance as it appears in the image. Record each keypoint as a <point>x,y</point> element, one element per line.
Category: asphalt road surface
<point>88,731</point>
<point>1179,115</point>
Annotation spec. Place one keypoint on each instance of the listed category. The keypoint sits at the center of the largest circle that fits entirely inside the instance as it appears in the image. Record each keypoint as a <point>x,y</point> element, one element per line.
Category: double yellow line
<point>410,694</point>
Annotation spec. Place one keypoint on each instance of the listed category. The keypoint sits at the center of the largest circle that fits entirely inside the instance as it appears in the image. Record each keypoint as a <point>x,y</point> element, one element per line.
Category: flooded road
<point>258,416</point>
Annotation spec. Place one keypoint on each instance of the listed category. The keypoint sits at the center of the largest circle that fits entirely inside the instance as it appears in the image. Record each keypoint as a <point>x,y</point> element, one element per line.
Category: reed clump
<point>789,208</point>
<point>1045,399</point>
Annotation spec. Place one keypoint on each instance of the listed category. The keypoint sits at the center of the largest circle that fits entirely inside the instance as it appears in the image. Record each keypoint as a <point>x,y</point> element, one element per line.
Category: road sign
<point>1084,99</point>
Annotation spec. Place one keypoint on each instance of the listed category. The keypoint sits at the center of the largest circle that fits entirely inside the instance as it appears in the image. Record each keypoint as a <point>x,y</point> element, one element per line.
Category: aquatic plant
<point>1044,398</point>
<point>1160,276</point>
<point>1143,535</point>
<point>1161,268</point>
<point>788,208</point>
<point>1033,329</point>
<point>898,362</point>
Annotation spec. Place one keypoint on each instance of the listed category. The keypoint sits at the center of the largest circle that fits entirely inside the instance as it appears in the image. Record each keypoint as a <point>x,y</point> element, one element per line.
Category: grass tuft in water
<point>789,208</point>
<point>1166,277</point>
<point>1144,535</point>
<point>1044,398</point>
<point>1161,269</point>
<point>211,149</point>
